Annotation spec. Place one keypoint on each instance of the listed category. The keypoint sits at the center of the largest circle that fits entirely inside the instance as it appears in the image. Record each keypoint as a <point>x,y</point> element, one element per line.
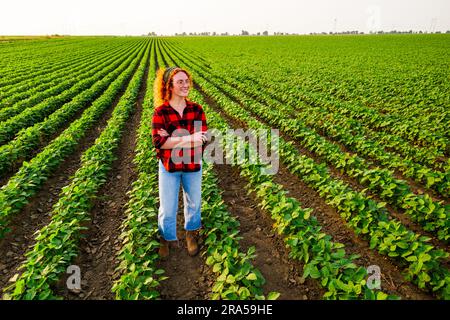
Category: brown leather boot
<point>191,241</point>
<point>163,249</point>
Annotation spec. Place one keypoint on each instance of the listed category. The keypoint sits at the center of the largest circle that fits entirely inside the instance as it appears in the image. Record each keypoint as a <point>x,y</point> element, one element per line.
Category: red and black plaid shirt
<point>167,118</point>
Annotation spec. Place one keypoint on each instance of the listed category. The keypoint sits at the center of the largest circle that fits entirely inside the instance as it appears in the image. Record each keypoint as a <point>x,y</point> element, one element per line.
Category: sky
<point>137,17</point>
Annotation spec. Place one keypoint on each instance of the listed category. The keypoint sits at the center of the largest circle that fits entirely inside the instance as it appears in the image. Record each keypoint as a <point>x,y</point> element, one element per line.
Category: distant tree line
<point>378,32</point>
<point>266,33</point>
<point>409,31</point>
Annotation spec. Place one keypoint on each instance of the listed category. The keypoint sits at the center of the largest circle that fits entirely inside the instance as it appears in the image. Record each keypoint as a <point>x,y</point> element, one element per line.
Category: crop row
<point>138,275</point>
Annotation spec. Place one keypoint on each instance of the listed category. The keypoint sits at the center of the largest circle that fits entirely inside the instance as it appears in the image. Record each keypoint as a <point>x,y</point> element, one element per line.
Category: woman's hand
<point>200,136</point>
<point>163,133</point>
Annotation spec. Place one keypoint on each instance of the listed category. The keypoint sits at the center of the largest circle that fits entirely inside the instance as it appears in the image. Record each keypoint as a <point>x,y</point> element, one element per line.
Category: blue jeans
<point>169,186</point>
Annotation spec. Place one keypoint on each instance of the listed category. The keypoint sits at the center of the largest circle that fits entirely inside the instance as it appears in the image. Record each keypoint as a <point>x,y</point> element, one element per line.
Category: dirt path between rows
<point>189,277</point>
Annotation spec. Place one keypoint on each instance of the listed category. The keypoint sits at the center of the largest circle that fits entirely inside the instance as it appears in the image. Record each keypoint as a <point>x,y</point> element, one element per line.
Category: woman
<point>179,133</point>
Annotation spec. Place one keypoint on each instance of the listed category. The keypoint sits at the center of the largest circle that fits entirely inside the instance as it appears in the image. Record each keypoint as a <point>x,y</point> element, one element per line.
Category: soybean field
<point>357,208</point>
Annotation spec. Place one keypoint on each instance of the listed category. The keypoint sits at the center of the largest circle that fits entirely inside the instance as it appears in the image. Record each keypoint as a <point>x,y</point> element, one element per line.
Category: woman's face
<point>181,85</point>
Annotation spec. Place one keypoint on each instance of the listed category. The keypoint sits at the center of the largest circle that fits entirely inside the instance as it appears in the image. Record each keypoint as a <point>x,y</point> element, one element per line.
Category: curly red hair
<point>162,91</point>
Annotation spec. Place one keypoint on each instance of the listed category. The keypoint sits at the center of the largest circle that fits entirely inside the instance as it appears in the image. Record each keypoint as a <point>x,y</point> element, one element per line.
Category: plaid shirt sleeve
<point>202,116</point>
<point>157,124</point>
